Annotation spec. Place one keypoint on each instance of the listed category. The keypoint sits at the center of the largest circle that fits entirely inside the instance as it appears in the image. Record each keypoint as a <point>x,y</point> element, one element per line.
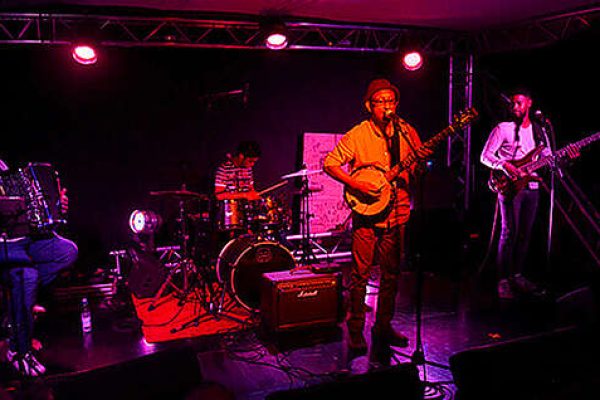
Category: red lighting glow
<point>84,54</point>
<point>412,61</point>
<point>276,41</point>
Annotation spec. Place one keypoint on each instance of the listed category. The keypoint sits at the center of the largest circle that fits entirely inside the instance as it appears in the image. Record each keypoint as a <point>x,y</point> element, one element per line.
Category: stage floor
<point>251,364</point>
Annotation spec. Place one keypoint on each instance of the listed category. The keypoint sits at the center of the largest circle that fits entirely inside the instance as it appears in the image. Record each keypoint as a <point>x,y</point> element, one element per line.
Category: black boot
<point>386,335</point>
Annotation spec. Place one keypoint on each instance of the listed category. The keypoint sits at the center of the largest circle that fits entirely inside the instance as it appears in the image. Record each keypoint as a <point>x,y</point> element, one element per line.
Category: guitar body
<point>369,206</point>
<point>507,186</point>
<point>363,204</point>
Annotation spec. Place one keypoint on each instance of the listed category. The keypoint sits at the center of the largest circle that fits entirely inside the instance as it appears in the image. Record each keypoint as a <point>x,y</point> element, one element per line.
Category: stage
<point>252,363</point>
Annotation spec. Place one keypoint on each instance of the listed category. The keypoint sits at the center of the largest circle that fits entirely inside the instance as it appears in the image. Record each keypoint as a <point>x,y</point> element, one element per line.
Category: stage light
<point>412,60</point>
<point>144,222</point>
<point>275,35</point>
<point>84,54</point>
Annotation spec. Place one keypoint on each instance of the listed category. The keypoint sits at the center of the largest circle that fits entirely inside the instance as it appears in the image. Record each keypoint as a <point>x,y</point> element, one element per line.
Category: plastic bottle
<point>86,316</point>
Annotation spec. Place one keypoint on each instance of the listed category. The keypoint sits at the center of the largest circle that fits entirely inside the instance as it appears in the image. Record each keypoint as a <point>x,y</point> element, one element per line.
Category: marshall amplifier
<point>300,300</point>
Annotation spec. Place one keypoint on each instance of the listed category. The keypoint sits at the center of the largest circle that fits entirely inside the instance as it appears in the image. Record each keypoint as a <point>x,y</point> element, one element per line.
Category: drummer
<point>234,178</point>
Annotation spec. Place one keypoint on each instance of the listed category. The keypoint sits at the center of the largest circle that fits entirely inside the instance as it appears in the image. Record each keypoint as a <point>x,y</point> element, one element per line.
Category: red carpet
<point>170,320</point>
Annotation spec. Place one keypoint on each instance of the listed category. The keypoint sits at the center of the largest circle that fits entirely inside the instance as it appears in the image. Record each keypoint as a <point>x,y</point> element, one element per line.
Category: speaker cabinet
<point>167,374</point>
<point>397,382</point>
<point>299,300</point>
<point>561,364</point>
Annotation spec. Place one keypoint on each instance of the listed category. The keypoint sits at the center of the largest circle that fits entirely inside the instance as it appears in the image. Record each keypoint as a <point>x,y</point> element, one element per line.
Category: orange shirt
<point>364,145</point>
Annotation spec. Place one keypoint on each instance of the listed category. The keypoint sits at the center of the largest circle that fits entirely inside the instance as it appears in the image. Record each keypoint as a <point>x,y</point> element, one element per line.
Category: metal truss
<point>130,31</point>
<point>246,33</point>
<point>535,33</point>
<point>458,156</point>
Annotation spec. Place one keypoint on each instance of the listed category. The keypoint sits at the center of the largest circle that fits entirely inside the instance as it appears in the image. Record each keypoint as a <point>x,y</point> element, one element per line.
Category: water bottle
<point>86,316</point>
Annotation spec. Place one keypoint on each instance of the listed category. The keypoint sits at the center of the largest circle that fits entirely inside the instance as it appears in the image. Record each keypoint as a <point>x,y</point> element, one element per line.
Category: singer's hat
<point>379,84</point>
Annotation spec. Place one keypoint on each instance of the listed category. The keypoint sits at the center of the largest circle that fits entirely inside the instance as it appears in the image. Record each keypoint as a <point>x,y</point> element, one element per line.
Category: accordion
<point>30,200</point>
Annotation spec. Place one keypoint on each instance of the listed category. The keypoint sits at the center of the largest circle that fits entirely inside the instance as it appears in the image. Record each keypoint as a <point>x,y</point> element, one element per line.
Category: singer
<point>376,141</point>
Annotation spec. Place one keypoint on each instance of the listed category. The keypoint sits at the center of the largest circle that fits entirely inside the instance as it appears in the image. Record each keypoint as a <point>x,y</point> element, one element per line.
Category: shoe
<point>523,285</point>
<point>27,364</point>
<point>388,336</point>
<point>505,290</point>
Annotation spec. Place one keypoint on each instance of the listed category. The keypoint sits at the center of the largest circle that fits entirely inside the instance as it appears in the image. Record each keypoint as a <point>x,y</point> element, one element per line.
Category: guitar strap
<point>394,149</point>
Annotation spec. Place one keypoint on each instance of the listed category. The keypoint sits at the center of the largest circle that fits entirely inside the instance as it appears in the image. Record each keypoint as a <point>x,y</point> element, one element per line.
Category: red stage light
<point>84,54</point>
<point>412,61</point>
<point>276,41</point>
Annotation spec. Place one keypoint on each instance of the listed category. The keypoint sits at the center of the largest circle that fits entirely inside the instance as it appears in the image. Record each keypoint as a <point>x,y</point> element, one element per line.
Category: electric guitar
<point>369,206</point>
<point>501,183</point>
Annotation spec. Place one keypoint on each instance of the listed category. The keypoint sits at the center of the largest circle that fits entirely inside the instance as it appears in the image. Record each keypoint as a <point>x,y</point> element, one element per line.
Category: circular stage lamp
<point>84,54</point>
<point>276,41</point>
<point>141,221</point>
<point>412,61</point>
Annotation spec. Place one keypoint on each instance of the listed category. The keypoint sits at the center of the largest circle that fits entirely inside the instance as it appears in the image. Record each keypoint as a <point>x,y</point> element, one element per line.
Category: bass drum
<point>242,262</point>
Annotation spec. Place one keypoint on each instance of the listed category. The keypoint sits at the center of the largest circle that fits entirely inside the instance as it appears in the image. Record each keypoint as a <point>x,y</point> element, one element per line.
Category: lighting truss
<point>165,31</point>
<point>132,31</point>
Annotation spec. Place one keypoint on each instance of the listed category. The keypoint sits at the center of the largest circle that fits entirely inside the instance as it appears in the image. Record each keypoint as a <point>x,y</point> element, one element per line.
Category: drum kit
<point>245,240</point>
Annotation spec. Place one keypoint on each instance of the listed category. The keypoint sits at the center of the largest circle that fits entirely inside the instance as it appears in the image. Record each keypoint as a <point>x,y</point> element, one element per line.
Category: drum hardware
<point>192,277</point>
<point>182,194</point>
<point>307,257</point>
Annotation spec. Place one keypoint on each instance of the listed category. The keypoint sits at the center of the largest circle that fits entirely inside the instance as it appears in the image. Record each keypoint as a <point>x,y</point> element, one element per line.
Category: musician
<point>28,261</point>
<point>381,141</point>
<point>234,178</point>
<point>508,142</point>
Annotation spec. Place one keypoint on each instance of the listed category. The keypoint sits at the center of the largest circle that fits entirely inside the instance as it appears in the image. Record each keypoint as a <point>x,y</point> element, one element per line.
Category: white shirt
<point>501,146</point>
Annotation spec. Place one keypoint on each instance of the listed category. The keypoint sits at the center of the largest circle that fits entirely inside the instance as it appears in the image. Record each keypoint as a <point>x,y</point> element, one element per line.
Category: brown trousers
<point>371,245</point>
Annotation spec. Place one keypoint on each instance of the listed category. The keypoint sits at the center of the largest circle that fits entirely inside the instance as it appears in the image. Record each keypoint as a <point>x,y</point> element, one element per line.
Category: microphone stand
<point>418,355</point>
<point>550,138</point>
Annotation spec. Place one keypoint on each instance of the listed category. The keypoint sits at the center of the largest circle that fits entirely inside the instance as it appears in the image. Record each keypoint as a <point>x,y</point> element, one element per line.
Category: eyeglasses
<point>387,102</point>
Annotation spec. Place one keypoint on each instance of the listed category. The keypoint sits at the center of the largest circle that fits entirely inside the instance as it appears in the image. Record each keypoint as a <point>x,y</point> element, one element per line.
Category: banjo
<point>369,206</point>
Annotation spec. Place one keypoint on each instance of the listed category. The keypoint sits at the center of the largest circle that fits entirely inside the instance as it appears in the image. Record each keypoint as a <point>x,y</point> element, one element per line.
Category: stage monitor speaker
<point>299,300</point>
<point>168,374</point>
<point>147,273</point>
<point>397,382</point>
<point>542,366</point>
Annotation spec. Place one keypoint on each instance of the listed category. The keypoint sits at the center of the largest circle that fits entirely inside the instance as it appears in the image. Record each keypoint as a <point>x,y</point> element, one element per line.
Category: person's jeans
<point>518,215</point>
<point>368,245</point>
<point>28,263</point>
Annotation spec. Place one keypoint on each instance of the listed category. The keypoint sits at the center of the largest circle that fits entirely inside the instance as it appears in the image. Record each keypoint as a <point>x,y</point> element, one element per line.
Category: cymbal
<point>302,172</point>
<point>182,194</point>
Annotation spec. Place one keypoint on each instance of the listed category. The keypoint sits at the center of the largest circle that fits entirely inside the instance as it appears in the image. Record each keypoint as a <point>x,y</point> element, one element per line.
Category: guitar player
<point>509,142</point>
<point>380,142</point>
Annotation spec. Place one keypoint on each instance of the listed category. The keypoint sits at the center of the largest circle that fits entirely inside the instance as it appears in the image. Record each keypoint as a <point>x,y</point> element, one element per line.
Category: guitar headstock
<point>464,117</point>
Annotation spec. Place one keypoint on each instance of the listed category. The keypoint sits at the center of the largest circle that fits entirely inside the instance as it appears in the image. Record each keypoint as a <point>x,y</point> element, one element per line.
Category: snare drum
<point>242,262</point>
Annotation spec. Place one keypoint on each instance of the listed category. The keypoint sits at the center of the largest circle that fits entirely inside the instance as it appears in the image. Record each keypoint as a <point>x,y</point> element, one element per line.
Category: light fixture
<point>144,222</point>
<point>84,54</point>
<point>412,60</point>
<point>275,33</point>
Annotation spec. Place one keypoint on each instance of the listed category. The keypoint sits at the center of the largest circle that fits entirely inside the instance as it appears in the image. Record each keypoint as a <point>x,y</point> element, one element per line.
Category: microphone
<point>539,115</point>
<point>390,115</point>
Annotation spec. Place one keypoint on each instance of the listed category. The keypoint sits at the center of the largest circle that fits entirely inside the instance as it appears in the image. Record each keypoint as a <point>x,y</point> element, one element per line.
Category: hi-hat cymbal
<point>181,194</point>
<point>302,172</point>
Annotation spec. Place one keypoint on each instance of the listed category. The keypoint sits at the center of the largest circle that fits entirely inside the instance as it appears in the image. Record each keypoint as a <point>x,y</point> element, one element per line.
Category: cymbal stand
<point>307,257</point>
<point>209,300</point>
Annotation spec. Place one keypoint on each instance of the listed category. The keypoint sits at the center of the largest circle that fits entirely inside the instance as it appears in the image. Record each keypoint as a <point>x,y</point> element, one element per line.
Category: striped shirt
<point>231,178</point>
<point>363,145</point>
